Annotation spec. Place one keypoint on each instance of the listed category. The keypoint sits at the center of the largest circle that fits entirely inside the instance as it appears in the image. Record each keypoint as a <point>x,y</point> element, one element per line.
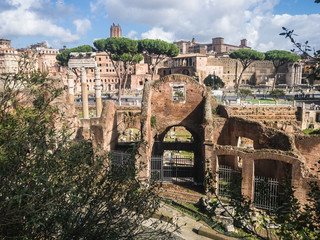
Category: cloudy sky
<point>78,22</point>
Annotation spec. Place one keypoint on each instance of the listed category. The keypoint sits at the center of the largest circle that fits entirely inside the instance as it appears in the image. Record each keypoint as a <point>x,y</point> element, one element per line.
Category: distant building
<point>115,31</point>
<point>9,57</point>
<point>47,61</point>
<point>217,46</point>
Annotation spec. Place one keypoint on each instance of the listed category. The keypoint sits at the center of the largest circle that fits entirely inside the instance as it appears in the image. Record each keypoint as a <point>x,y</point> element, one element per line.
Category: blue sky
<point>77,22</point>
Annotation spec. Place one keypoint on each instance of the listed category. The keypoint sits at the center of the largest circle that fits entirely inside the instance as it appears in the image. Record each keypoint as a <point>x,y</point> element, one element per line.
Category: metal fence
<point>176,169</point>
<point>120,158</point>
<point>229,181</point>
<point>266,193</point>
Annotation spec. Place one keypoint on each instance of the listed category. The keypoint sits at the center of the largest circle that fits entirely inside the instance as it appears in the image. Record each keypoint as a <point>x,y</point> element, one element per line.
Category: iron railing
<point>120,158</point>
<point>229,181</point>
<point>266,193</point>
<point>176,169</point>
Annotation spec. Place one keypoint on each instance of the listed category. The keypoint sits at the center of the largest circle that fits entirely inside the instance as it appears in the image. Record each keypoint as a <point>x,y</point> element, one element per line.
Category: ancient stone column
<point>70,86</point>
<point>98,89</point>
<point>84,91</point>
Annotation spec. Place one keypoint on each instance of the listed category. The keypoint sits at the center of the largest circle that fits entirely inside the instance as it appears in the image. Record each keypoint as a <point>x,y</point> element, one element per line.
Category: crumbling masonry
<point>276,148</point>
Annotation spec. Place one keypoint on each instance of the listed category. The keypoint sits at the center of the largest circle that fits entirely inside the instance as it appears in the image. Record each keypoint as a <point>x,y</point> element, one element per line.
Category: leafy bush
<point>54,188</point>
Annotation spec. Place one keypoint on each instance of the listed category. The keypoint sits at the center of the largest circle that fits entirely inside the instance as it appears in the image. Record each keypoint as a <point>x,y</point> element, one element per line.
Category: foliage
<point>243,92</point>
<point>157,50</point>
<point>312,57</point>
<point>246,57</point>
<point>277,93</point>
<point>55,188</point>
<point>213,81</point>
<point>153,121</point>
<point>311,131</point>
<point>64,56</point>
<point>280,58</point>
<point>123,53</point>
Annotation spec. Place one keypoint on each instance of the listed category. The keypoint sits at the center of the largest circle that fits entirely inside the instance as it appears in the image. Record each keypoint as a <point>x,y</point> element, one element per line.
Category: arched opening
<point>229,175</point>
<point>271,179</point>
<point>176,156</point>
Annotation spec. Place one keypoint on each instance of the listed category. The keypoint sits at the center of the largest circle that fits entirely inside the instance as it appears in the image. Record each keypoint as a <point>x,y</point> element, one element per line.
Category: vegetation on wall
<point>153,121</point>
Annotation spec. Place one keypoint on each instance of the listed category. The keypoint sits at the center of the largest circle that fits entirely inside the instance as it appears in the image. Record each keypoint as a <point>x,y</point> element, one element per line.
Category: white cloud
<point>82,25</point>
<point>132,34</point>
<point>205,19</point>
<point>158,33</point>
<point>26,18</point>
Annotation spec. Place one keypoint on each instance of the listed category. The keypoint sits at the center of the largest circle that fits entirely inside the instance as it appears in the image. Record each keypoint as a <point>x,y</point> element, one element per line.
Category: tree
<point>305,50</point>
<point>213,81</point>
<point>277,93</point>
<point>157,50</point>
<point>64,56</point>
<point>246,57</point>
<point>280,58</point>
<point>243,92</point>
<point>123,53</point>
<point>54,188</point>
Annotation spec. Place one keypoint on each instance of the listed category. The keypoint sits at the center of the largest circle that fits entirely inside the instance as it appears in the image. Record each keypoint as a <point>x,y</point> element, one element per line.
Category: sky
<point>78,22</point>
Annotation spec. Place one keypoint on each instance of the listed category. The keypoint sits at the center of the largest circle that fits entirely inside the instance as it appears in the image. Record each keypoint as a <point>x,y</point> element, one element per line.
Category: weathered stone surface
<point>271,131</point>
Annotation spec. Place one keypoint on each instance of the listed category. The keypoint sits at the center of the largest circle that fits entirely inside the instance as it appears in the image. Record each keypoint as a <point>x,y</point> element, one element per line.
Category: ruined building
<point>259,73</point>
<point>217,46</point>
<point>260,142</point>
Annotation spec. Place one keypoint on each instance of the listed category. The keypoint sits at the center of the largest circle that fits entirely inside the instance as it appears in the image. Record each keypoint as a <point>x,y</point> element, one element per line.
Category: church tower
<point>115,31</point>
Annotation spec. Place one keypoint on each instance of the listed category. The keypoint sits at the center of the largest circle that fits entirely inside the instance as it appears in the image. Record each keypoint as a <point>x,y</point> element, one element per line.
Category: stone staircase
<point>179,192</point>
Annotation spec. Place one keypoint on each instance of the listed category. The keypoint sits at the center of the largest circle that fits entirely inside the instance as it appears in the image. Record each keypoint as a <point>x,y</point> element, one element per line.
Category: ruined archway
<point>175,100</point>
<point>176,156</point>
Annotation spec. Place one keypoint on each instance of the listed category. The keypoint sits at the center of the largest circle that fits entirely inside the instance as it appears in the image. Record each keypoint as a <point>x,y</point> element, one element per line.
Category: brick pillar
<point>247,185</point>
<point>84,91</point>
<point>98,89</point>
<point>70,86</point>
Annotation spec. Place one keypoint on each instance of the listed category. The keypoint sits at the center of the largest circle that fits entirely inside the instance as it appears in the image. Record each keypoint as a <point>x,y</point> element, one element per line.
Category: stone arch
<point>161,110</point>
<point>263,137</point>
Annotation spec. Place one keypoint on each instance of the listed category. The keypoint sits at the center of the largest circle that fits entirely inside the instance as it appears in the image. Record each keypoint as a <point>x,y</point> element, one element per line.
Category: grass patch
<point>187,154</point>
<point>311,131</point>
<point>265,101</point>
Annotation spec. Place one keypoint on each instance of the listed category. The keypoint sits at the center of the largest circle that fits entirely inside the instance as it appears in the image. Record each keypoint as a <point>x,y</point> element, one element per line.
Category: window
<point>99,59</point>
<point>140,83</point>
<point>178,93</point>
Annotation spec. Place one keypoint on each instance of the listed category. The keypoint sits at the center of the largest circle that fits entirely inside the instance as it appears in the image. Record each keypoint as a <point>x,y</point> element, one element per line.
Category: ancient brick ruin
<point>259,141</point>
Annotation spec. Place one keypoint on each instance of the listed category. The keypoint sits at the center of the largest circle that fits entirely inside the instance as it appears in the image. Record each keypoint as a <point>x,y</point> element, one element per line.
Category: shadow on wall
<point>263,137</point>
